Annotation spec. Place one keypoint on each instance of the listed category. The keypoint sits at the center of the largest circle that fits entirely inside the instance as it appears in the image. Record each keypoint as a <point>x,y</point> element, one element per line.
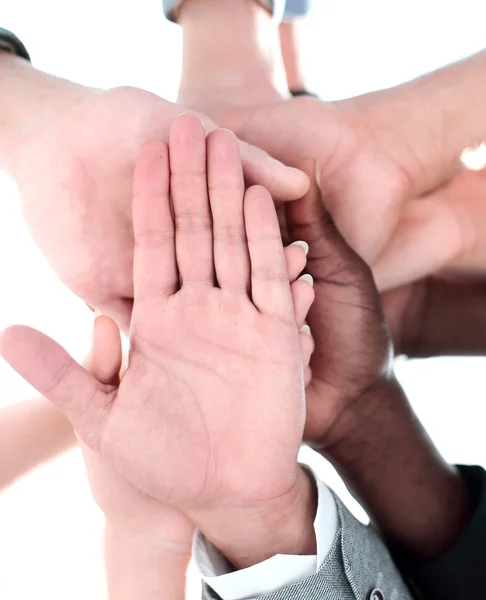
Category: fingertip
<point>13,339</point>
<point>258,194</point>
<point>106,352</point>
<point>223,134</point>
<point>297,184</point>
<point>303,245</point>
<point>307,278</point>
<point>224,161</point>
<point>285,183</point>
<point>186,124</point>
<point>105,322</point>
<point>296,260</point>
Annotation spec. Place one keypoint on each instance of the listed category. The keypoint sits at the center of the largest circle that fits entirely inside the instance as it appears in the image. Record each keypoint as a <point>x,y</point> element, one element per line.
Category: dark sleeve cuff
<point>297,93</point>
<point>11,42</point>
<point>461,572</point>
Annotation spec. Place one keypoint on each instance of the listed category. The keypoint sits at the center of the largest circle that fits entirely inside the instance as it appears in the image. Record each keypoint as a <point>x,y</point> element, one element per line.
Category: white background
<point>50,532</point>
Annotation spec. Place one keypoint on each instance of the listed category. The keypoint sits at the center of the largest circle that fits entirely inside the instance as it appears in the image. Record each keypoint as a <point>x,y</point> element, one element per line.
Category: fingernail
<point>307,278</point>
<point>305,329</point>
<point>96,314</point>
<point>303,245</point>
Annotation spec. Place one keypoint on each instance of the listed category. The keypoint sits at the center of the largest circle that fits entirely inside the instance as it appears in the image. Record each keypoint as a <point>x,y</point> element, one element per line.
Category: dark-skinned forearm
<point>453,320</point>
<point>418,501</point>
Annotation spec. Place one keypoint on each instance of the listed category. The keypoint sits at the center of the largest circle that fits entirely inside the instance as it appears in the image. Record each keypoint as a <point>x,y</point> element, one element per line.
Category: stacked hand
<point>393,205</point>
<point>72,151</point>
<point>353,353</point>
<point>357,414</point>
<point>212,366</point>
<point>408,215</point>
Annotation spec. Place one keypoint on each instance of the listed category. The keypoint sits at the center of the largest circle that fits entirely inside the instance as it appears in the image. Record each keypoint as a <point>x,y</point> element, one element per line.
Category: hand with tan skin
<point>386,159</point>
<point>443,313</point>
<point>71,150</point>
<point>211,368</point>
<point>357,414</point>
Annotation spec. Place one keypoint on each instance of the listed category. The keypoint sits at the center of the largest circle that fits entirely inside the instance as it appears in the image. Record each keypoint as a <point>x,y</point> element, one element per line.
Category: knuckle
<point>230,234</point>
<point>270,274</point>
<point>192,222</point>
<point>154,238</point>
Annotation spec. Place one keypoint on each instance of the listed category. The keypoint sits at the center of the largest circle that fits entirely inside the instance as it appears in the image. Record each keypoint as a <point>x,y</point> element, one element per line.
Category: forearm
<point>31,433</point>
<point>418,501</point>
<point>453,321</point>
<point>143,564</point>
<point>29,100</point>
<point>248,536</point>
<point>231,54</point>
<point>292,43</point>
<point>435,117</point>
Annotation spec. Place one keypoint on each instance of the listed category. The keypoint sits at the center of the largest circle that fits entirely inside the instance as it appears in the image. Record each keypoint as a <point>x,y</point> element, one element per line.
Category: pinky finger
<point>270,285</point>
<point>307,343</point>
<point>296,258</point>
<point>303,296</point>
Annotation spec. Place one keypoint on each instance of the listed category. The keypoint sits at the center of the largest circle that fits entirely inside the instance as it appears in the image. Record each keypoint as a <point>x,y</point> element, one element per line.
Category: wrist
<point>418,501</point>
<point>292,40</point>
<point>168,533</point>
<point>29,101</point>
<point>143,563</point>
<point>249,535</point>
<point>231,55</point>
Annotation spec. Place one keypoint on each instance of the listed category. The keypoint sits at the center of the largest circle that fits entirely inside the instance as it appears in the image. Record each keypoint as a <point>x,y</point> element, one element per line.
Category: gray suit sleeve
<point>358,567</point>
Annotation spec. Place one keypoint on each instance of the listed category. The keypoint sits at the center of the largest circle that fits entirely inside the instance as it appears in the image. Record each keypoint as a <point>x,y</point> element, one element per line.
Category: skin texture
<point>388,162</point>
<point>206,363</point>
<point>148,544</point>
<point>46,432</point>
<point>31,433</point>
<point>436,314</point>
<point>370,173</point>
<point>72,150</point>
<point>357,415</point>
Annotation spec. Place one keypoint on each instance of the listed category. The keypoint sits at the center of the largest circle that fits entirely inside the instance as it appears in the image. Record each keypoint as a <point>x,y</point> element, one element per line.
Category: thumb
<point>330,256</point>
<point>48,367</point>
<point>283,182</point>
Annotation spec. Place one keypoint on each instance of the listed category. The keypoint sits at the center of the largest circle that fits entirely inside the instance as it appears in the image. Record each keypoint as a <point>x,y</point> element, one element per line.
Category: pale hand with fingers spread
<point>212,369</point>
